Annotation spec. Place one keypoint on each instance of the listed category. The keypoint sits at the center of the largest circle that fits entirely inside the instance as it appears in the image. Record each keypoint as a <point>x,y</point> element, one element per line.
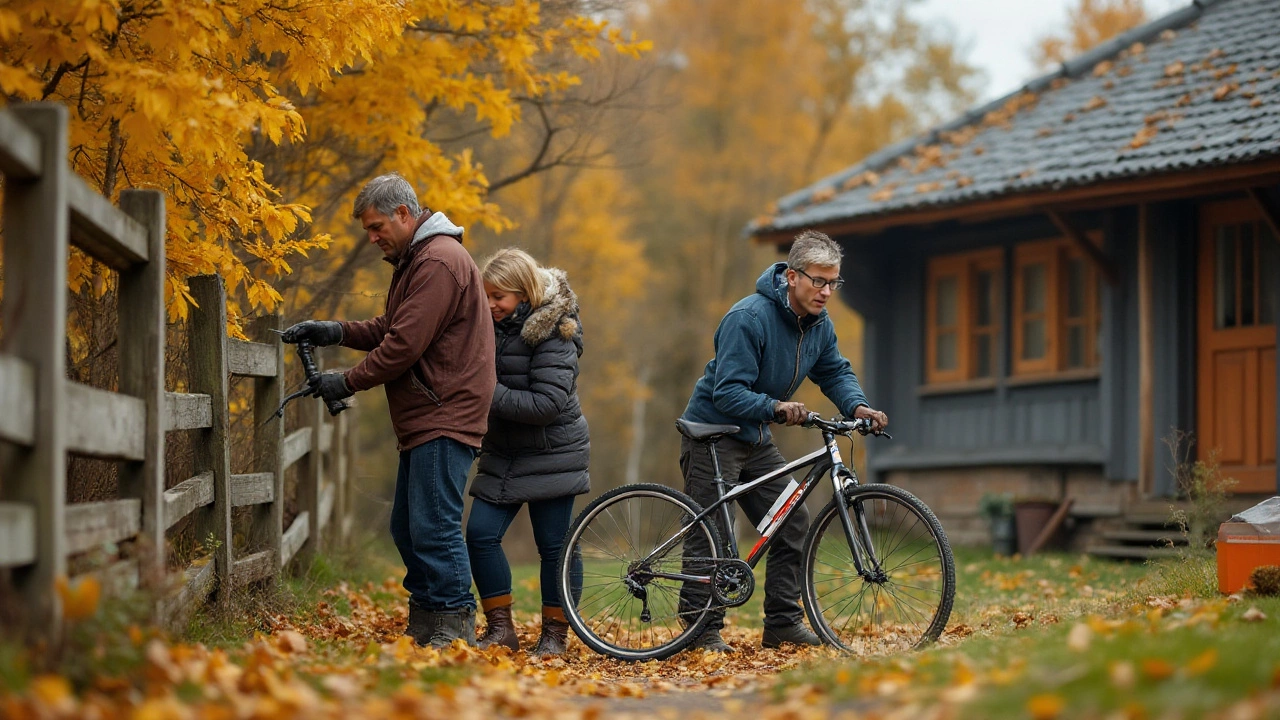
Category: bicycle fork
<point>856,531</point>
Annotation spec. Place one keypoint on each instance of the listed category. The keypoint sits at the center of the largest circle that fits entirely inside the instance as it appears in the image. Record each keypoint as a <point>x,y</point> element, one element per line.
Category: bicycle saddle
<point>704,431</point>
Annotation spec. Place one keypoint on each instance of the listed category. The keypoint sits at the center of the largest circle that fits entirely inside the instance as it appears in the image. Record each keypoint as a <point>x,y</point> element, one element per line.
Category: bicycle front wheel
<point>902,596</point>
<point>618,572</point>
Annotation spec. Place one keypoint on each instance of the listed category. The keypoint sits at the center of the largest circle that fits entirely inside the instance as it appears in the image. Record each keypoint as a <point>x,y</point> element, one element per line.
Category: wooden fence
<point>44,416</point>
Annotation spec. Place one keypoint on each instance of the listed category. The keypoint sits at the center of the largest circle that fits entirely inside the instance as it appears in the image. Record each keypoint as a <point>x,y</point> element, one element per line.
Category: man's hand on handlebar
<point>877,419</point>
<point>317,332</point>
<point>791,413</point>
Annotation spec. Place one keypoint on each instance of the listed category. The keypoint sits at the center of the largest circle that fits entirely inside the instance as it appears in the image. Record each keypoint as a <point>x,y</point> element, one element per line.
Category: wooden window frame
<point>965,268</point>
<point>1056,254</point>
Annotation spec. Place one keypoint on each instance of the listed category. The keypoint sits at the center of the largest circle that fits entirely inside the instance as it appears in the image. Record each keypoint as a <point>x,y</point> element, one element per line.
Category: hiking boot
<point>554,639</point>
<point>796,634</point>
<point>499,629</point>
<point>421,623</point>
<point>711,641</point>
<point>453,625</point>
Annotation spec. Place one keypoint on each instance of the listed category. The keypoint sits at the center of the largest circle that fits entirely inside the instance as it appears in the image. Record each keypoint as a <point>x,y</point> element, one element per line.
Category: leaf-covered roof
<point>1195,88</point>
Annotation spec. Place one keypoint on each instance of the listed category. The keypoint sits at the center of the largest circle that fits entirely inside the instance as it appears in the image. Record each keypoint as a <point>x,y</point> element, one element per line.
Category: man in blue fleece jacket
<point>766,345</point>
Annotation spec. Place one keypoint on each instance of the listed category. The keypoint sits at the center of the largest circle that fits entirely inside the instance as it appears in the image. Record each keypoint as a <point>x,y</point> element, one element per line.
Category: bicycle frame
<point>824,460</point>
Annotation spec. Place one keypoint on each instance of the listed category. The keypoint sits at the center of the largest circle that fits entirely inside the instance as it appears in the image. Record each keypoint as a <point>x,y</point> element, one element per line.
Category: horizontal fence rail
<point>47,210</point>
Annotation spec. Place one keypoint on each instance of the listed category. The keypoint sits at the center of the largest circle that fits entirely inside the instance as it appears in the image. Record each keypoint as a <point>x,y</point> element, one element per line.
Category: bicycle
<point>878,571</point>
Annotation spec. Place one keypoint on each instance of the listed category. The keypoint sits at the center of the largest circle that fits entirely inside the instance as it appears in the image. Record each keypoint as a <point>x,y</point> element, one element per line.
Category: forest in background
<point>627,142</point>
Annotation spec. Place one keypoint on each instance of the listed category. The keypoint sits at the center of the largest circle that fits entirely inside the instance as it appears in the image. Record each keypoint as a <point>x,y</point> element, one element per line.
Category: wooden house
<point>1058,281</point>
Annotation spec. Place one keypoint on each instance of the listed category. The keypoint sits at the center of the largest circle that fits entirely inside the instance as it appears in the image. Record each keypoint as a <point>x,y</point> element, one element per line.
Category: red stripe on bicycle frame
<point>781,512</point>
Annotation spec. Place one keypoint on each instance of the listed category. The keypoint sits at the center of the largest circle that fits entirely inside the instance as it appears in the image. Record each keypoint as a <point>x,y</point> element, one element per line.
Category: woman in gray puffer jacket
<point>536,450</point>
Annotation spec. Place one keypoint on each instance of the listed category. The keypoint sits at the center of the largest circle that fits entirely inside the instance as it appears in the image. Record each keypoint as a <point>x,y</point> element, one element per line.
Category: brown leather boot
<point>554,639</point>
<point>499,628</point>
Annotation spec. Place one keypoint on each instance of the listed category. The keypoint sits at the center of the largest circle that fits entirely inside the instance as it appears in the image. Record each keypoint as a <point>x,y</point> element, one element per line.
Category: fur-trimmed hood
<point>557,313</point>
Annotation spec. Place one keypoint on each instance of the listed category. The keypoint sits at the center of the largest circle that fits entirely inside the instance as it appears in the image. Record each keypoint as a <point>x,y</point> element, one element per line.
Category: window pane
<point>1268,276</point>
<point>1075,346</point>
<point>947,301</point>
<point>1076,276</point>
<point>1033,340</point>
<point>1224,284</point>
<point>982,356</point>
<point>1033,288</point>
<point>986,298</point>
<point>946,352</point>
<point>1246,274</point>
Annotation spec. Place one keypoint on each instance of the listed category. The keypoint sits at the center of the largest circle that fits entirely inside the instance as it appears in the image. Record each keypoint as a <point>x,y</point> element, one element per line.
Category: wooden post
<point>311,478</point>
<point>338,523</point>
<point>141,341</point>
<point>268,518</point>
<point>36,235</point>
<point>1146,358</point>
<point>208,367</point>
<point>350,472</point>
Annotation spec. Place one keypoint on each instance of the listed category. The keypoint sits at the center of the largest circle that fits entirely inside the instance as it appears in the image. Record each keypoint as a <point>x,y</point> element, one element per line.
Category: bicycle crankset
<point>733,582</point>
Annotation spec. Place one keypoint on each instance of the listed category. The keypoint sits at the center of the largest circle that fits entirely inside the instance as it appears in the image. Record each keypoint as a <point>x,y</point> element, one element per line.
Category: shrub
<point>1265,580</point>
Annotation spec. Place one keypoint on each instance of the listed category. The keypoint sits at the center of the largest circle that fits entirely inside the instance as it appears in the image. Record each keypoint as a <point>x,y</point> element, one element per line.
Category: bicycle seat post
<point>726,513</point>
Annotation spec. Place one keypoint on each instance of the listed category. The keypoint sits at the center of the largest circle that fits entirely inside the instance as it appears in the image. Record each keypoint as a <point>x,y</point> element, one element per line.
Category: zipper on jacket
<point>790,388</point>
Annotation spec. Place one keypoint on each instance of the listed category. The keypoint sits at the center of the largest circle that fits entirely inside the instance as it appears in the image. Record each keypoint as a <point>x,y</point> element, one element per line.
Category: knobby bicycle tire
<point>604,544</point>
<point>904,609</point>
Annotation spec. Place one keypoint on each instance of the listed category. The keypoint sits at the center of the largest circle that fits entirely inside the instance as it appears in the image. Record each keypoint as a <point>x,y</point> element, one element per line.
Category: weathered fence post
<point>268,518</point>
<point>338,523</point>
<point>36,228</point>
<point>311,479</point>
<point>141,339</point>
<point>208,367</point>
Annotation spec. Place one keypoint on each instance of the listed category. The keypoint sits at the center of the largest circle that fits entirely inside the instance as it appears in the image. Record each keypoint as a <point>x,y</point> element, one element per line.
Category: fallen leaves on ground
<point>326,664</point>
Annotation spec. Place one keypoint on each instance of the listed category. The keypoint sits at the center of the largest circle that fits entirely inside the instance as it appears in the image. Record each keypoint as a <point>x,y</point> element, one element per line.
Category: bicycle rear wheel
<point>903,606</point>
<point>619,600</point>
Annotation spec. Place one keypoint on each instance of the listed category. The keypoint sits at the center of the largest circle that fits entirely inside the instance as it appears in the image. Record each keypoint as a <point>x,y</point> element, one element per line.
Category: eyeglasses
<point>823,282</point>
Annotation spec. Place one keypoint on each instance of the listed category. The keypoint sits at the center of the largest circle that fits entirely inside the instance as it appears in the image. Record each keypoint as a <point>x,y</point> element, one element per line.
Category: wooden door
<point>1239,276</point>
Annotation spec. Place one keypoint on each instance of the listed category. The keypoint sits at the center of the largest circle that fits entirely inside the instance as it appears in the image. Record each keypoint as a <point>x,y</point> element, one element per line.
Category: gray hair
<point>814,248</point>
<point>385,193</point>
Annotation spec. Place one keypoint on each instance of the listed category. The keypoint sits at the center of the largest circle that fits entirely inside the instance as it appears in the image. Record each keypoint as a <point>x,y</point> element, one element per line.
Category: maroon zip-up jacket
<point>433,348</point>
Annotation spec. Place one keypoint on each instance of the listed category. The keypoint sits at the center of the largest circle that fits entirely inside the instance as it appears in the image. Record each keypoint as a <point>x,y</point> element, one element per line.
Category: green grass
<point>1155,639</point>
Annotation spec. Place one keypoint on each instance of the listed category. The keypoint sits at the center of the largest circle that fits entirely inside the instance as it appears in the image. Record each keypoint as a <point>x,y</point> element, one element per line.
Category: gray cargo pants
<point>741,463</point>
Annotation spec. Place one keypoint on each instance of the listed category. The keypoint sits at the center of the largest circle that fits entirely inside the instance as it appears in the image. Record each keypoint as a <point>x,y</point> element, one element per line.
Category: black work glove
<point>316,332</point>
<point>331,387</point>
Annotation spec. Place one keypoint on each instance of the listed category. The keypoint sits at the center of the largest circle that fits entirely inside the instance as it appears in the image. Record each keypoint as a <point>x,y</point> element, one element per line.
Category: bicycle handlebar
<point>862,426</point>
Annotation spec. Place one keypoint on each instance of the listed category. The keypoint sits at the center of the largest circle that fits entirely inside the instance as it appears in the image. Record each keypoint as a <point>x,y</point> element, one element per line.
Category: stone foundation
<point>954,494</point>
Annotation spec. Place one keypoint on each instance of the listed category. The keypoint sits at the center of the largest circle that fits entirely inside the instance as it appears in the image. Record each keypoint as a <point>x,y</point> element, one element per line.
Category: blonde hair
<point>514,270</point>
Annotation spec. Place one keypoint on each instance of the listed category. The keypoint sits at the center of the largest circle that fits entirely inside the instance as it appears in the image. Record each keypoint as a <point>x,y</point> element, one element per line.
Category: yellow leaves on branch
<point>253,115</point>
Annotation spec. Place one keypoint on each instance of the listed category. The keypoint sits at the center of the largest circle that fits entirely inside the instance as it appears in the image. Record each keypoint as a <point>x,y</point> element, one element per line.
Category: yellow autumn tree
<point>219,104</point>
<point>1089,22</point>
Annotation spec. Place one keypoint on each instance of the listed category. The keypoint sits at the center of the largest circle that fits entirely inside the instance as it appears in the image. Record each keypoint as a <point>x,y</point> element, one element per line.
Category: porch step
<point>1132,552</point>
<point>1150,519</point>
<point>1160,538</point>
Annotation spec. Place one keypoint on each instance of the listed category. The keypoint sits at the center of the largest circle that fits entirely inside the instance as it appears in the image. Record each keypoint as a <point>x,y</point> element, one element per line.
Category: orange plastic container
<point>1240,550</point>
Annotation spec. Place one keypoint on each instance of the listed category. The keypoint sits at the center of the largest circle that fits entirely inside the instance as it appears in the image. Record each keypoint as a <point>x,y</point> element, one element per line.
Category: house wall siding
<point>1056,422</point>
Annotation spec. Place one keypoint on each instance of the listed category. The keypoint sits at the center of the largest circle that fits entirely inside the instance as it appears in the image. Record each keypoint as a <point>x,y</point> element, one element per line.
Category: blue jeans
<point>426,524</point>
<point>489,522</point>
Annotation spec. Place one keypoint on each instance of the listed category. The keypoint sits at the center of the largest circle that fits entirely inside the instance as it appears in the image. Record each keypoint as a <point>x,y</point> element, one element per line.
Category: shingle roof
<point>1195,88</point>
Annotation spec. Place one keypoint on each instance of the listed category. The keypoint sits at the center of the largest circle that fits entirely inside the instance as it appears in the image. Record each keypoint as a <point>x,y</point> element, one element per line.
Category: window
<point>1057,309</point>
<point>963,316</point>
<point>1247,265</point>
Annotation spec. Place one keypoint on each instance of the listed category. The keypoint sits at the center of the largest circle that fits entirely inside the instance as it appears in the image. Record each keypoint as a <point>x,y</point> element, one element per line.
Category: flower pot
<point>1003,538</point>
<point>1031,517</point>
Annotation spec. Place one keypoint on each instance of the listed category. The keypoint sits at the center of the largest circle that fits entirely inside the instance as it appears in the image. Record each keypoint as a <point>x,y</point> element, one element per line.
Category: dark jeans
<point>741,463</point>
<point>489,522</point>
<point>426,524</point>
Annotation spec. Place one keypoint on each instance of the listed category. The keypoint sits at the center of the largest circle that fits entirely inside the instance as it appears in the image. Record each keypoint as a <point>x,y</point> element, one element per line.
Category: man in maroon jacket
<point>433,351</point>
